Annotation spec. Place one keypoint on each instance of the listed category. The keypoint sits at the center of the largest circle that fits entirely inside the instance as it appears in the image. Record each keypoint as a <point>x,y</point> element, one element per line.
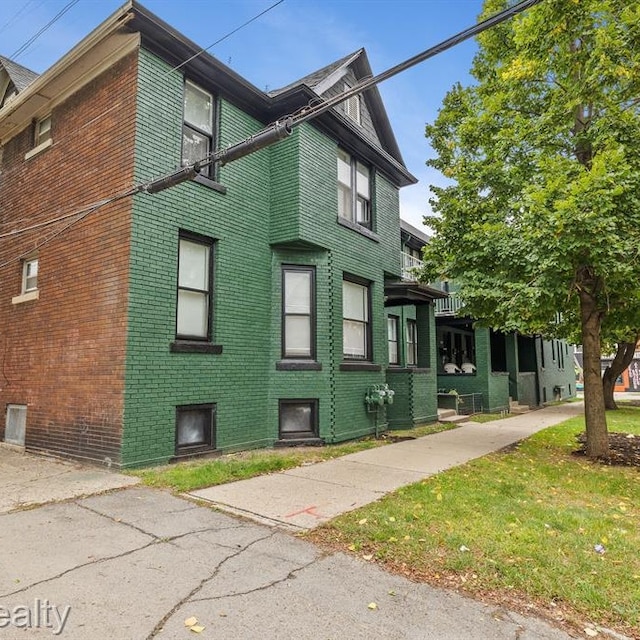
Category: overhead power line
<point>282,128</point>
<point>49,24</point>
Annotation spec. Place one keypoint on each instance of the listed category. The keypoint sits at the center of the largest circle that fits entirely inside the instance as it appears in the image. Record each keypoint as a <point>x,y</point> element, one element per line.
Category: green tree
<point>543,151</point>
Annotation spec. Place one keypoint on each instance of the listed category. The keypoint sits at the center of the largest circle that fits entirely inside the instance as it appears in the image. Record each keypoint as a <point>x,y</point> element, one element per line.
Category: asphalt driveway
<point>138,563</point>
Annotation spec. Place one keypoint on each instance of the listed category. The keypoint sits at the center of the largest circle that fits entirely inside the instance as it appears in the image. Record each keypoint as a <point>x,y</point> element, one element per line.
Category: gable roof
<point>322,80</point>
<point>19,75</point>
<point>132,25</point>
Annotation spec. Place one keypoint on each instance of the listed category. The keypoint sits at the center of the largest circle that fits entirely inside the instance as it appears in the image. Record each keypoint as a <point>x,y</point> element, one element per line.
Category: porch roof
<point>402,293</point>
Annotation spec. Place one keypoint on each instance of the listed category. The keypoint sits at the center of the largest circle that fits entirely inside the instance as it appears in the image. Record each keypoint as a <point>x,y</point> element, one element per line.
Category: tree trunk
<point>623,358</point>
<point>594,413</point>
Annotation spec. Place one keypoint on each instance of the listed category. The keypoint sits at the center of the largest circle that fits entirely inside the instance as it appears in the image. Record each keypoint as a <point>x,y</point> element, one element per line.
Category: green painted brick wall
<point>157,380</point>
<point>280,207</point>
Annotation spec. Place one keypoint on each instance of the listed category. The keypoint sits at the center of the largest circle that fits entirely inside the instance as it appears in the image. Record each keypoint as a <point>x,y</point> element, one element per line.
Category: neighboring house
<point>491,367</point>
<point>628,380</point>
<point>242,309</point>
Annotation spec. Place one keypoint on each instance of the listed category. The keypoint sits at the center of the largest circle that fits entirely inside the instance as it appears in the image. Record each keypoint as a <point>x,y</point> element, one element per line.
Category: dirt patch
<point>624,449</point>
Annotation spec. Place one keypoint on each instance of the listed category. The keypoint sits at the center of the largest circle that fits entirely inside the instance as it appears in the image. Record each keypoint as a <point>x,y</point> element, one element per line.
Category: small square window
<point>195,428</point>
<point>30,275</point>
<point>298,419</point>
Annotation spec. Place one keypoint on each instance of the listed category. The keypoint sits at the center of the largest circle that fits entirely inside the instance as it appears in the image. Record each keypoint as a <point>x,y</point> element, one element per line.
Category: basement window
<point>298,419</point>
<point>16,424</point>
<point>195,429</point>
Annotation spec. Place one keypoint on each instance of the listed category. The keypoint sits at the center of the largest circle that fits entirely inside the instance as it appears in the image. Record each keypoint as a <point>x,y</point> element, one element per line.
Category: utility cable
<point>122,103</point>
<point>49,24</point>
<point>283,127</point>
<point>16,15</point>
<point>244,24</point>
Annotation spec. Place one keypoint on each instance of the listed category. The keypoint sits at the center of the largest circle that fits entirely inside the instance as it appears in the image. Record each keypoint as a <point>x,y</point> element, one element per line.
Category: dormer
<point>13,79</point>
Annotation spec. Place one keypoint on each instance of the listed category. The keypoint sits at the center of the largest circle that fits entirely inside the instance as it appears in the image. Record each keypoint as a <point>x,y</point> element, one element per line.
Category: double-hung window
<point>42,131</point>
<point>356,324</point>
<point>298,312</point>
<point>412,343</point>
<point>194,288</point>
<point>392,339</point>
<point>197,128</point>
<point>354,190</point>
<point>30,275</point>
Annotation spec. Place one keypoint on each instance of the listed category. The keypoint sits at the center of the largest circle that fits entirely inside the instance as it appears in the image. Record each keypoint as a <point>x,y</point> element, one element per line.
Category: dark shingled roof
<point>19,75</point>
<point>315,78</point>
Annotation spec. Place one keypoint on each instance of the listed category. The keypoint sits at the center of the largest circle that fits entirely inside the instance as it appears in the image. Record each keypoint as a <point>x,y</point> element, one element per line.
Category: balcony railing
<point>448,306</point>
<point>409,265</point>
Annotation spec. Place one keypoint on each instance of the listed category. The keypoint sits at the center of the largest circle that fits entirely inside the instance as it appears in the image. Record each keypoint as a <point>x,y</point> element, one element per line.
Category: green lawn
<point>196,474</point>
<point>520,528</point>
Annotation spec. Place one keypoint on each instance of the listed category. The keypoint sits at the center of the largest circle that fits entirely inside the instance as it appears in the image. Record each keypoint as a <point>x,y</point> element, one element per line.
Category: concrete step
<point>518,409</point>
<point>456,418</point>
<point>446,413</point>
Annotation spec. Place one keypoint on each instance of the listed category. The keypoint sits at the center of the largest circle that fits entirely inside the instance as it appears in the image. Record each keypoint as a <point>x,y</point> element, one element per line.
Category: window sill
<point>195,451</point>
<point>188,346</point>
<point>39,149</point>
<point>298,365</point>
<point>358,228</point>
<point>211,184</point>
<point>25,297</point>
<point>360,366</point>
<point>396,369</point>
<point>298,441</point>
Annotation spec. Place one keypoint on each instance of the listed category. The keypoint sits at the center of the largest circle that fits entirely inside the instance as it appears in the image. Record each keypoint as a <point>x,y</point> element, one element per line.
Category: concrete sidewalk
<point>305,497</point>
<point>29,480</point>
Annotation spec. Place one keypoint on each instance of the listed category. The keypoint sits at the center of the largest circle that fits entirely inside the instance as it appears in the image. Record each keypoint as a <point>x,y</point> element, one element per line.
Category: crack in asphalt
<point>154,540</point>
<point>160,624</point>
<point>264,587</point>
<point>166,539</point>
<point>124,554</point>
<point>118,521</point>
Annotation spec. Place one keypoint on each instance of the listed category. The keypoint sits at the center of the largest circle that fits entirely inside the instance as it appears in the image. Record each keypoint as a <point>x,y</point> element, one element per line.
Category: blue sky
<point>291,40</point>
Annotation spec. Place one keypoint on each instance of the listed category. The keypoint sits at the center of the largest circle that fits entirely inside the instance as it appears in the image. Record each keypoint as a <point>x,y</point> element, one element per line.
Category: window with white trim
<point>392,339</point>
<point>356,325</point>
<point>30,275</point>
<point>412,343</point>
<point>354,190</point>
<point>42,131</point>
<point>197,128</point>
<point>298,312</point>
<point>193,317</point>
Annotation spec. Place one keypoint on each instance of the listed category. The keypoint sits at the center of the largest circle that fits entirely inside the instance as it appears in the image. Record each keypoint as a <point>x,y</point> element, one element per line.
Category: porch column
<point>426,325</point>
<point>513,366</point>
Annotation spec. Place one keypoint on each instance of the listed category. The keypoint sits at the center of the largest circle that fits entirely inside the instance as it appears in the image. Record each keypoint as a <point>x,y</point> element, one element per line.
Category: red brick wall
<point>63,355</point>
